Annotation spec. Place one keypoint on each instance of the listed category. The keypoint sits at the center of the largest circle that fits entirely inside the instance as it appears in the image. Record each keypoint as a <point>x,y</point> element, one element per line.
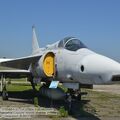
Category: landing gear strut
<point>3,88</point>
<point>33,87</point>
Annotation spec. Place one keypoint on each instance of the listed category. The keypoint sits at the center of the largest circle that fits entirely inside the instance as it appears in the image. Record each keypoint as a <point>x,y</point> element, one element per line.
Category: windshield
<point>71,43</point>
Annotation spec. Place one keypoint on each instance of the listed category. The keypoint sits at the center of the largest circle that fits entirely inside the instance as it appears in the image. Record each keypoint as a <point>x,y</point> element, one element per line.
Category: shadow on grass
<point>77,108</point>
<point>21,96</point>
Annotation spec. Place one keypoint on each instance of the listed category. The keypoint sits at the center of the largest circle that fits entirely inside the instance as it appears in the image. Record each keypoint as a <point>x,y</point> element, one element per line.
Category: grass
<point>19,85</point>
<point>102,103</point>
<point>16,87</point>
<point>63,112</point>
<point>36,101</point>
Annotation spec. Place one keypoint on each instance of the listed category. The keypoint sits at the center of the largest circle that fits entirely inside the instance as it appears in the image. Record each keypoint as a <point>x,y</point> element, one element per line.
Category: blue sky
<point>94,22</point>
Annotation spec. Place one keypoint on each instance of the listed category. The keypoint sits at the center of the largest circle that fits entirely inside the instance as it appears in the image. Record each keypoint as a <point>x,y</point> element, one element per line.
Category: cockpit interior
<point>71,43</point>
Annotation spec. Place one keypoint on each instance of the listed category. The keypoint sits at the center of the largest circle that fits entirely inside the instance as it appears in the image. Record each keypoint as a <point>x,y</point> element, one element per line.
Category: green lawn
<point>21,85</point>
<point>17,87</point>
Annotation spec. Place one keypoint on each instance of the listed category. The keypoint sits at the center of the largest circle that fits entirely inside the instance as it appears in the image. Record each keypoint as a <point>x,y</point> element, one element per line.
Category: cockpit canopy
<point>71,43</point>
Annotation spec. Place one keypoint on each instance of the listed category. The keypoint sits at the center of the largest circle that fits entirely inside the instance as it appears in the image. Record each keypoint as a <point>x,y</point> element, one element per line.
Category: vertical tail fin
<point>35,45</point>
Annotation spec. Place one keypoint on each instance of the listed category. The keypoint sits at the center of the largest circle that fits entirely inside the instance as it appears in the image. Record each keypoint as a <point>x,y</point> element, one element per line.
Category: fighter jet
<point>67,61</point>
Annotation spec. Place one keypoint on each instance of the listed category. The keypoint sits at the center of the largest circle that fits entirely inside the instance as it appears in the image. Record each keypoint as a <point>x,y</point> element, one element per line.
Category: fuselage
<point>74,62</point>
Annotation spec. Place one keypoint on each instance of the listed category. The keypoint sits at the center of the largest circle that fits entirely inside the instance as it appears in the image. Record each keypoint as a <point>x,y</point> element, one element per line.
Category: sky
<point>95,22</point>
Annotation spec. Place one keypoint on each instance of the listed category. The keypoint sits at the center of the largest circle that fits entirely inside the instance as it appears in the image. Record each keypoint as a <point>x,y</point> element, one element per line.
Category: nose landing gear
<point>74,96</point>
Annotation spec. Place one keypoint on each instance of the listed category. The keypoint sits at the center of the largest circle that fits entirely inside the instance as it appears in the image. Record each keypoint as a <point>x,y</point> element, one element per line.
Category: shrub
<point>35,101</point>
<point>63,112</point>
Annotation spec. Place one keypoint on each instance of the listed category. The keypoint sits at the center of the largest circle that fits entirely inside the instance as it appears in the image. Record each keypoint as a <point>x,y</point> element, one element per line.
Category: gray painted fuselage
<point>82,66</point>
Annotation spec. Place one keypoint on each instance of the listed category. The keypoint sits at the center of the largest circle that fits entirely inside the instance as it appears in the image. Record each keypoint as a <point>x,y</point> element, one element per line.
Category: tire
<point>4,95</point>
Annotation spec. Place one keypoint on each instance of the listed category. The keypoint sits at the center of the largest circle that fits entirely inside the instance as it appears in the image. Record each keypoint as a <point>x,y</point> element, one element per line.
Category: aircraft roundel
<point>49,64</point>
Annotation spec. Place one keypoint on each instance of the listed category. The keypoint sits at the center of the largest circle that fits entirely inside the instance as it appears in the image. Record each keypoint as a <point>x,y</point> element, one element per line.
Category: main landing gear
<point>3,88</point>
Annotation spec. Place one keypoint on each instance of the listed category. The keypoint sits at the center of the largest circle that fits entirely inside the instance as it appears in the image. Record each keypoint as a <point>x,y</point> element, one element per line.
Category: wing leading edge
<point>21,63</point>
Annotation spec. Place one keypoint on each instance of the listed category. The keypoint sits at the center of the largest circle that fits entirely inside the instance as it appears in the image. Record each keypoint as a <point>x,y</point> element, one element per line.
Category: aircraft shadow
<point>21,96</point>
<point>77,107</point>
<point>77,110</point>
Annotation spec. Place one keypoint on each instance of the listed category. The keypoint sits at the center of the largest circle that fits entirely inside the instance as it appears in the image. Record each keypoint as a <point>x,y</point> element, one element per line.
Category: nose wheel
<point>74,95</point>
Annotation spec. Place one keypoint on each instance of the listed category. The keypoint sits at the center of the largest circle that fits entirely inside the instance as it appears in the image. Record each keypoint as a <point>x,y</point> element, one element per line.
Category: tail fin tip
<point>35,45</point>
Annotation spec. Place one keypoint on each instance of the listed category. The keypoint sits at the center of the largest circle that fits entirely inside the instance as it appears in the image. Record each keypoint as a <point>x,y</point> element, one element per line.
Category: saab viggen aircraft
<point>67,61</point>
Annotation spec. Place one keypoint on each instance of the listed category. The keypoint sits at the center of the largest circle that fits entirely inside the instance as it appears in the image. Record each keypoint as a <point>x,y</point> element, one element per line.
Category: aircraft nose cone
<point>96,64</point>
